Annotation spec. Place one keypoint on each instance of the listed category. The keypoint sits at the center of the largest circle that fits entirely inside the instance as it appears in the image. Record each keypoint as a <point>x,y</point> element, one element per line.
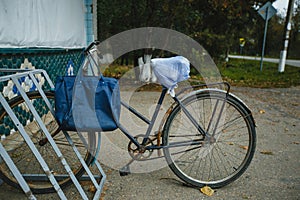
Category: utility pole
<point>286,36</point>
<point>264,41</point>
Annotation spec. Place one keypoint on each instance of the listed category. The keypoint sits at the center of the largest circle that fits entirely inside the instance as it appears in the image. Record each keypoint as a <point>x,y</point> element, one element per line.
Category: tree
<point>216,24</point>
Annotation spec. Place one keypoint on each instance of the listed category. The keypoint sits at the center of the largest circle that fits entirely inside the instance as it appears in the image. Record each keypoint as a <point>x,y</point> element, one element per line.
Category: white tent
<point>42,23</point>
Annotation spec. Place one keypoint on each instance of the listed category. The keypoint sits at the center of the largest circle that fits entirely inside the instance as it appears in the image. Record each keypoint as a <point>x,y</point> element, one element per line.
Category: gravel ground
<point>273,174</point>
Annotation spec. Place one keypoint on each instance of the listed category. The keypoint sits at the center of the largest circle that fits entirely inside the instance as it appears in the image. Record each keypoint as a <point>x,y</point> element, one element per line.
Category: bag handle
<point>90,61</point>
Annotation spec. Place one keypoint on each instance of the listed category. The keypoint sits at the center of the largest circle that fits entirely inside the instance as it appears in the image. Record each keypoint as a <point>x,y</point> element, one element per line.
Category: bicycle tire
<point>22,156</point>
<point>215,161</point>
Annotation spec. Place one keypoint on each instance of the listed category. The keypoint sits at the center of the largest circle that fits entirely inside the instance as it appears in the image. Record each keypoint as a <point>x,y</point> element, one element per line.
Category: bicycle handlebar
<point>91,45</point>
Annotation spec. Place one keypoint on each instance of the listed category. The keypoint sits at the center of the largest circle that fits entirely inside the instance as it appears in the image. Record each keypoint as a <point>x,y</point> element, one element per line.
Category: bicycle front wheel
<point>23,157</point>
<point>226,151</point>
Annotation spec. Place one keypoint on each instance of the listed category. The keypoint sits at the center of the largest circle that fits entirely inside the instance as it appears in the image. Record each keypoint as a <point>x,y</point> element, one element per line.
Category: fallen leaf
<point>262,111</point>
<point>92,189</point>
<point>244,147</point>
<point>296,142</point>
<point>103,193</point>
<point>224,131</point>
<point>207,190</point>
<point>266,152</point>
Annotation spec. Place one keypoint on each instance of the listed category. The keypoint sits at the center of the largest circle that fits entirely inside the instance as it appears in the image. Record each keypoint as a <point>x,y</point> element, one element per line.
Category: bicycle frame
<point>143,118</point>
<point>155,114</point>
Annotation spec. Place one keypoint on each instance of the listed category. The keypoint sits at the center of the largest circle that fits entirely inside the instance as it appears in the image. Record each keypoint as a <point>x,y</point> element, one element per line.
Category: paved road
<point>295,63</point>
<point>273,174</point>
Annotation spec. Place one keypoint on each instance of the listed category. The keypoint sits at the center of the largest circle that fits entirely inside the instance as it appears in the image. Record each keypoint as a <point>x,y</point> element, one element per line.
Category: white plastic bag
<point>170,71</point>
<point>146,73</point>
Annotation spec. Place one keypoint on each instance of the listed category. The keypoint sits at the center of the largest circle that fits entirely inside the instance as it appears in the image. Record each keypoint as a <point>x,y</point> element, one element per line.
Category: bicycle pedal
<point>124,171</point>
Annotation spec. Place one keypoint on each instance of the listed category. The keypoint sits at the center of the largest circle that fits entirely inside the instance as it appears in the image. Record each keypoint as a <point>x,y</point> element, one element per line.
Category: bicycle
<point>207,136</point>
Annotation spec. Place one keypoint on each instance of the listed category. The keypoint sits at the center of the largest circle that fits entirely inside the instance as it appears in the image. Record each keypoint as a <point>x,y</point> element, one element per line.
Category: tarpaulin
<point>42,23</point>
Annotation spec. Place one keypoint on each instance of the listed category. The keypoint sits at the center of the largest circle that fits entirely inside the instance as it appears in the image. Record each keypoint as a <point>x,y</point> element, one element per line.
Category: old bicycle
<point>207,136</point>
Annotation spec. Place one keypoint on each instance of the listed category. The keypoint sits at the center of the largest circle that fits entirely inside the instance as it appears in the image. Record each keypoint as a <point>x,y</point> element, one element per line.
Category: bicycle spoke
<point>224,153</point>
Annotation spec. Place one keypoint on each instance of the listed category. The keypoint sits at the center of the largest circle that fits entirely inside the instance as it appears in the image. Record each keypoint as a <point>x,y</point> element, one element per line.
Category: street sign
<point>267,11</point>
<point>242,42</point>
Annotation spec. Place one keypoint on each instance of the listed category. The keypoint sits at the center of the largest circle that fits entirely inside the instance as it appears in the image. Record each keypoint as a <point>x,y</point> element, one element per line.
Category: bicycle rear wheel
<point>21,154</point>
<point>219,158</point>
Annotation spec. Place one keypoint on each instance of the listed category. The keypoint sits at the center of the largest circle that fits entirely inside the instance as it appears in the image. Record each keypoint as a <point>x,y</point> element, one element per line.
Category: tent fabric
<point>42,23</point>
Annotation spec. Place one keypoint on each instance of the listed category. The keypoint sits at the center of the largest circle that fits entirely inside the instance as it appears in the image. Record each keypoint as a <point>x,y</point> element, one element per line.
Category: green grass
<point>247,73</point>
<point>236,72</point>
<point>117,71</point>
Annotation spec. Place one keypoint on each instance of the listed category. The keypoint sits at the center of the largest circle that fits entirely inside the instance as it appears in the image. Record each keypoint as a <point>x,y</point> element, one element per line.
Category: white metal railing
<point>15,77</point>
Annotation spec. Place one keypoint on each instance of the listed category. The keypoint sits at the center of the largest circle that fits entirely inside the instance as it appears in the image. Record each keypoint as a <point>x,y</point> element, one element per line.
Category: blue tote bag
<point>87,103</point>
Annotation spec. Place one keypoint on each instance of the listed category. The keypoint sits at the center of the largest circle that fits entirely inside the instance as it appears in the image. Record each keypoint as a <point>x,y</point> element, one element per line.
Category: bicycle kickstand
<point>124,171</point>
